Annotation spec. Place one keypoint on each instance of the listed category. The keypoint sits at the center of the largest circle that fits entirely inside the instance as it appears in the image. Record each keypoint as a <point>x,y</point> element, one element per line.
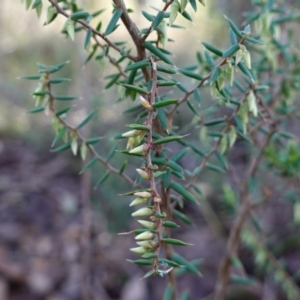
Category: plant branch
<point>150,28</point>
<point>232,244</point>
<point>87,26</point>
<point>71,128</point>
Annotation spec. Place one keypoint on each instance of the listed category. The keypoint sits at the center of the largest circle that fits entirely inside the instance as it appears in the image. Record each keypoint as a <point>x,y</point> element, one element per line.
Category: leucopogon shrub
<point>254,81</point>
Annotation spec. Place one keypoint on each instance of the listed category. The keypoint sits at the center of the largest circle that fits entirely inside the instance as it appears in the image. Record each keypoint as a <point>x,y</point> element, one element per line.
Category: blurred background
<point>52,246</point>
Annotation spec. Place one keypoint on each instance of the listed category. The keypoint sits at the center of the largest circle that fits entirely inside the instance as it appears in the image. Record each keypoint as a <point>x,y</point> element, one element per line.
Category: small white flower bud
<point>143,174</point>
<point>138,201</point>
<point>138,250</point>
<point>145,103</point>
<point>147,224</point>
<point>147,235</point>
<point>140,149</point>
<point>131,133</point>
<point>142,212</point>
<point>142,194</point>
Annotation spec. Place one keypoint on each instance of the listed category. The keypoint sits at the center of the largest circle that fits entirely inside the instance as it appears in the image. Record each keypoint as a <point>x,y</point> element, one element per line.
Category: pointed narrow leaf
<point>190,74</point>
<point>36,109</point>
<point>87,40</point>
<point>170,224</point>
<point>185,295</point>
<point>214,122</point>
<point>89,165</point>
<point>213,49</point>
<point>168,293</point>
<point>168,139</point>
<point>65,98</point>
<point>87,119</point>
<point>182,261</point>
<point>157,52</point>
<point>175,242</point>
<point>234,28</point>
<point>70,26</point>
<point>143,262</point>
<point>148,274</point>
<point>62,147</point>
<point>31,77</point>
<point>182,217</point>
<point>138,65</point>
<point>179,154</point>
<point>113,22</point>
<point>215,168</point>
<point>214,74</point>
<point>165,102</point>
<point>79,15</point>
<point>134,88</point>
<point>231,50</point>
<point>197,96</point>
<point>139,127</point>
<point>102,179</point>
<point>95,140</point>
<point>166,69</point>
<point>63,110</point>
<point>159,17</point>
<point>173,165</point>
<point>183,192</point>
<point>58,80</point>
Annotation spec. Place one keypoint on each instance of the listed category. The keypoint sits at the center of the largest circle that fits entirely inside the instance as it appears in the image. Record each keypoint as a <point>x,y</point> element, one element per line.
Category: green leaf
<point>138,65</point>
<point>175,242</point>
<point>245,70</point>
<point>79,15</point>
<point>139,127</point>
<point>242,280</point>
<point>170,262</point>
<point>193,4</point>
<point>134,88</point>
<point>162,118</point>
<point>214,122</point>
<point>58,80</point>
<point>173,165</point>
<point>231,50</point>
<point>168,293</point>
<point>102,179</point>
<point>222,159</point>
<point>197,96</point>
<point>234,28</point>
<point>197,150</point>
<point>165,69</point>
<point>182,261</point>
<point>170,224</point>
<point>62,147</point>
<point>63,110</point>
<point>190,74</point>
<point>86,119</point>
<point>182,217</point>
<point>27,4</point>
<point>213,49</point>
<point>89,165</point>
<point>179,154</point>
<point>143,262</point>
<point>61,133</point>
<point>214,168</point>
<point>183,192</point>
<point>175,7</point>
<point>31,77</point>
<point>168,139</point>
<point>113,22</point>
<point>124,165</point>
<point>165,103</point>
<point>148,274</point>
<point>111,153</point>
<point>148,16</point>
<point>214,74</point>
<point>87,40</point>
<point>157,52</point>
<point>186,15</point>
<point>70,26</point>
<point>36,4</point>
<point>166,83</point>
<point>65,98</point>
<point>36,109</point>
<point>149,255</point>
<point>157,20</point>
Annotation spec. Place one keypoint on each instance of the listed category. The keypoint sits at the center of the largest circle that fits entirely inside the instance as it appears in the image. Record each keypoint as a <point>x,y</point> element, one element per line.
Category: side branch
<point>87,26</point>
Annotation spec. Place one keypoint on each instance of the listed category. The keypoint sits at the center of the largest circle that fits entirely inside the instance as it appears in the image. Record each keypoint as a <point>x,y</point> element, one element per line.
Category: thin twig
<point>93,30</point>
<point>224,270</point>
